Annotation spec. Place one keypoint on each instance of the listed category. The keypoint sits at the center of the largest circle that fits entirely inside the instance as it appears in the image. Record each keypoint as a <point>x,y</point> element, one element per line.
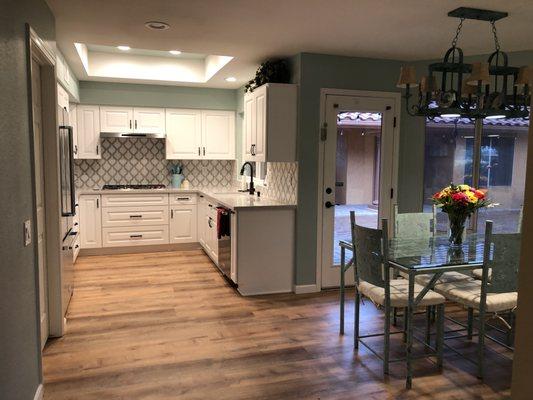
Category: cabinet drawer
<point>135,236</point>
<point>176,199</point>
<point>134,216</point>
<point>124,200</point>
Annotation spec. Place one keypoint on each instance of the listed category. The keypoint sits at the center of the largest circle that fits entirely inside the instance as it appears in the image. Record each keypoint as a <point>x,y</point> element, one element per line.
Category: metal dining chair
<point>373,281</point>
<point>494,298</point>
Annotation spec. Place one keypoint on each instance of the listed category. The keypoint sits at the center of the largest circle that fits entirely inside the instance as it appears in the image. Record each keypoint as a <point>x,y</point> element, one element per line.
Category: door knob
<point>329,204</point>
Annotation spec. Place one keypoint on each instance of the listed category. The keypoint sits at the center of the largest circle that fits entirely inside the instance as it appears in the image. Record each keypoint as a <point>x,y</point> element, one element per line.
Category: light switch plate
<point>27,233</point>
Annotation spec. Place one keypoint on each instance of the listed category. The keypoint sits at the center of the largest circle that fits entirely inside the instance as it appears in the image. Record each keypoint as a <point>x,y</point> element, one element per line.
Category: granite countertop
<point>226,197</point>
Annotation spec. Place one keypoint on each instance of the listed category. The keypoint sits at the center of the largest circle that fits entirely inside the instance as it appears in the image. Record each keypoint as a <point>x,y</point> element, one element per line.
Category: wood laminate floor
<point>167,326</point>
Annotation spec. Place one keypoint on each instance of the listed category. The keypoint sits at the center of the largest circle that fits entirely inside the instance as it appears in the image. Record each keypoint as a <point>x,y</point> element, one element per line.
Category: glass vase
<point>457,228</point>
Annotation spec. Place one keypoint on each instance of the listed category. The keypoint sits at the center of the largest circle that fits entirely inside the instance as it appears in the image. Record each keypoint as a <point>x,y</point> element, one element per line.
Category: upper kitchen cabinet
<point>200,134</point>
<point>218,135</point>
<point>87,130</point>
<point>132,120</point>
<point>66,77</point>
<point>270,123</point>
<point>184,134</point>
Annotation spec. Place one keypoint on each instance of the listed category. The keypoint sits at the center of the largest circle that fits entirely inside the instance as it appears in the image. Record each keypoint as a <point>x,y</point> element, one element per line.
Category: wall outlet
<point>27,233</point>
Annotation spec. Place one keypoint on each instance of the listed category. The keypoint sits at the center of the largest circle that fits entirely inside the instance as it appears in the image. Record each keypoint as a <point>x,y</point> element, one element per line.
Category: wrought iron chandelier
<point>491,89</point>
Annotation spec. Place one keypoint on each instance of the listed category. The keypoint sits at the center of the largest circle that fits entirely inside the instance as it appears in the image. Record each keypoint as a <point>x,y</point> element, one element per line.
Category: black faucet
<point>251,189</point>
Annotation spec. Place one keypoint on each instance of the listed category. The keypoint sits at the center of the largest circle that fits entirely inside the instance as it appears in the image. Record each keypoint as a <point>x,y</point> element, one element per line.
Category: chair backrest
<point>367,242</point>
<point>504,262</point>
<point>415,225</point>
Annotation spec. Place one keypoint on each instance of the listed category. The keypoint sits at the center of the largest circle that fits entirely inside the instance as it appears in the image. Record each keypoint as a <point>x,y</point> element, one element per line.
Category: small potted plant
<point>177,175</point>
<point>459,202</point>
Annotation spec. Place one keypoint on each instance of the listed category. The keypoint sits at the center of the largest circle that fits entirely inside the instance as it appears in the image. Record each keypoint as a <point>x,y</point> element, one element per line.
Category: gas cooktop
<point>144,186</point>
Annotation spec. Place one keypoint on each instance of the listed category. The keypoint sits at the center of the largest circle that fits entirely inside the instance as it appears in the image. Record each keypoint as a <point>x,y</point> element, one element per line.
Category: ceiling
<point>254,30</point>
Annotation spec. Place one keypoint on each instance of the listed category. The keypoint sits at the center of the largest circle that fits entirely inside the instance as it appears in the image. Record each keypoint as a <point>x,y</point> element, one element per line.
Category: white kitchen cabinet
<point>88,131</point>
<point>73,121</point>
<point>116,119</point>
<point>218,135</point>
<point>202,222</point>
<point>184,134</point>
<point>132,120</point>
<point>90,221</point>
<point>121,236</point>
<point>270,123</point>
<point>183,223</point>
<point>149,120</point>
<point>200,134</point>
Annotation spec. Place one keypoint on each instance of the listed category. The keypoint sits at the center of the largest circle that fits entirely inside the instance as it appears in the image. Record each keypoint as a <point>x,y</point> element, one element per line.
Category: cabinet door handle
<point>136,236</point>
<point>136,216</point>
<point>97,203</point>
<point>204,151</point>
<point>97,149</point>
<point>130,123</point>
<point>171,213</point>
<point>135,124</point>
<point>183,198</point>
<point>198,150</point>
<point>75,149</point>
<point>209,223</point>
<point>253,149</point>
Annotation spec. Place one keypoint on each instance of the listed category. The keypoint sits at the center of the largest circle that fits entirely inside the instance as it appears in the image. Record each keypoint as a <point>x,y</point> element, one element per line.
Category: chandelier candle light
<point>459,202</point>
<point>492,90</point>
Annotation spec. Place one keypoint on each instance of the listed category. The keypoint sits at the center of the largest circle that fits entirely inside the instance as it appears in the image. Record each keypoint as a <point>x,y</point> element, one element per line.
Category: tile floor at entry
<point>167,326</point>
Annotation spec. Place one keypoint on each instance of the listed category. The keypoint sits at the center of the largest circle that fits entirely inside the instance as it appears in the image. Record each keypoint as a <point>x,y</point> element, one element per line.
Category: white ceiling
<point>255,30</point>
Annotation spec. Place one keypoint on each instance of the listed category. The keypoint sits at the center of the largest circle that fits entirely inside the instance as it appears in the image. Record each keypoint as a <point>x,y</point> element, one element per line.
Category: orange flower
<point>479,194</point>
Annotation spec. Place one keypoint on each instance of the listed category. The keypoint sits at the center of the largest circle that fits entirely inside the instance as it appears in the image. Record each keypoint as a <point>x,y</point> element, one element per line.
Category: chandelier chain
<point>495,33</point>
<point>457,33</point>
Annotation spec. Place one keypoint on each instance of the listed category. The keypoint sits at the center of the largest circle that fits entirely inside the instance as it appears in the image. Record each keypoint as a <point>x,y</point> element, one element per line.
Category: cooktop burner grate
<point>143,186</point>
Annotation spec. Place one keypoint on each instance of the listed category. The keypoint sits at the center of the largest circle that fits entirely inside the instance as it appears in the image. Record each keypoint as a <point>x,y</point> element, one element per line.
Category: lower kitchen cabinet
<point>183,223</point>
<point>123,236</point>
<point>90,221</point>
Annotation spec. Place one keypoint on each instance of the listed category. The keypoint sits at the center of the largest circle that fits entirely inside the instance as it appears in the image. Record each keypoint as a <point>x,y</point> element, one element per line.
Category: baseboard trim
<point>302,289</point>
<point>39,393</point>
<point>105,251</point>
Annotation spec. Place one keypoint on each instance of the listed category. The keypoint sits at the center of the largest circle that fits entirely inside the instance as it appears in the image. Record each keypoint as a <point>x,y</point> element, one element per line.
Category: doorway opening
<point>359,171</point>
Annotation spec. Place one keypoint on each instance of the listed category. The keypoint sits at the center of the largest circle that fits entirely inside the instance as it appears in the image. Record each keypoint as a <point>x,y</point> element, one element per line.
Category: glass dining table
<point>430,256</point>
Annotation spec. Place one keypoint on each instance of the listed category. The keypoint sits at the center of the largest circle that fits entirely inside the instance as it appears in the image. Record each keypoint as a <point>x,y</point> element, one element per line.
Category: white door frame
<point>396,98</point>
<point>38,49</point>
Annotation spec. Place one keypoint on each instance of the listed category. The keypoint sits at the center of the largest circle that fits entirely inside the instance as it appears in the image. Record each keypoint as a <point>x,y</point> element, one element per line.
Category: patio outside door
<point>359,172</point>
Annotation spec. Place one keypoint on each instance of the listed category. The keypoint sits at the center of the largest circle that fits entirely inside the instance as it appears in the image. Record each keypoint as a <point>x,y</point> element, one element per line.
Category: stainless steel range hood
<point>129,135</point>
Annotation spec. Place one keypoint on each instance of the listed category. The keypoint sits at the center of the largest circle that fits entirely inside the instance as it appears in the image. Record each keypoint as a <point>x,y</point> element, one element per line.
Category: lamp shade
<point>407,77</point>
<point>467,90</point>
<point>428,84</point>
<point>523,77</point>
<point>480,72</point>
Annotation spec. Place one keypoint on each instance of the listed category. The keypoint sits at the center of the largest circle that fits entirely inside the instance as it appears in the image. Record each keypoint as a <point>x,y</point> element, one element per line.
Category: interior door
<point>184,134</point>
<point>358,167</point>
<point>40,199</point>
<point>116,119</point>
<point>149,120</point>
<point>218,135</point>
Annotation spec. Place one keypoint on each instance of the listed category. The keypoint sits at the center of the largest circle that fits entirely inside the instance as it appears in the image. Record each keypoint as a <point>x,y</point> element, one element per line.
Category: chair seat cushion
<point>468,293</point>
<point>399,289</point>
<point>447,277</point>
<point>478,273</point>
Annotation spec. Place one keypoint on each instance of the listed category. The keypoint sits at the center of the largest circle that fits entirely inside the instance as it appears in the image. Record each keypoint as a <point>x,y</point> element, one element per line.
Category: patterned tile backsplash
<point>139,161</point>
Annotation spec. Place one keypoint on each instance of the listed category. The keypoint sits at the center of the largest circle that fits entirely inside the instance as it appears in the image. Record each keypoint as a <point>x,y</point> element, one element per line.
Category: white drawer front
<point>134,216</point>
<point>135,236</point>
<point>176,199</point>
<point>124,200</point>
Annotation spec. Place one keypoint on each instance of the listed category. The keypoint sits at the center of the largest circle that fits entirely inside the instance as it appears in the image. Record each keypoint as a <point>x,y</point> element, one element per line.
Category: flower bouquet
<point>459,202</point>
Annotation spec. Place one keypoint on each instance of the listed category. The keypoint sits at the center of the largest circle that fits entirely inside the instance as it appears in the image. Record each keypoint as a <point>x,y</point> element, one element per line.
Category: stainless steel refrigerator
<point>68,207</point>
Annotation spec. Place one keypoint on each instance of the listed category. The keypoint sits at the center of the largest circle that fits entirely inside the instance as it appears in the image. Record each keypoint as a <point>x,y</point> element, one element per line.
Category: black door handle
<point>329,204</point>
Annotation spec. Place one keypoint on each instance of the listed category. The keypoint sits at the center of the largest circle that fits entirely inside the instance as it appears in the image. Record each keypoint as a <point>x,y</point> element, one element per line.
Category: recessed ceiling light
<point>175,52</point>
<point>231,79</point>
<point>123,48</point>
<point>157,25</point>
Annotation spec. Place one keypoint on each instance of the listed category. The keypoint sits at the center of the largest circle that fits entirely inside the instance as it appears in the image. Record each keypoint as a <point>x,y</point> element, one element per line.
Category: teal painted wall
<point>20,353</point>
<point>125,94</point>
